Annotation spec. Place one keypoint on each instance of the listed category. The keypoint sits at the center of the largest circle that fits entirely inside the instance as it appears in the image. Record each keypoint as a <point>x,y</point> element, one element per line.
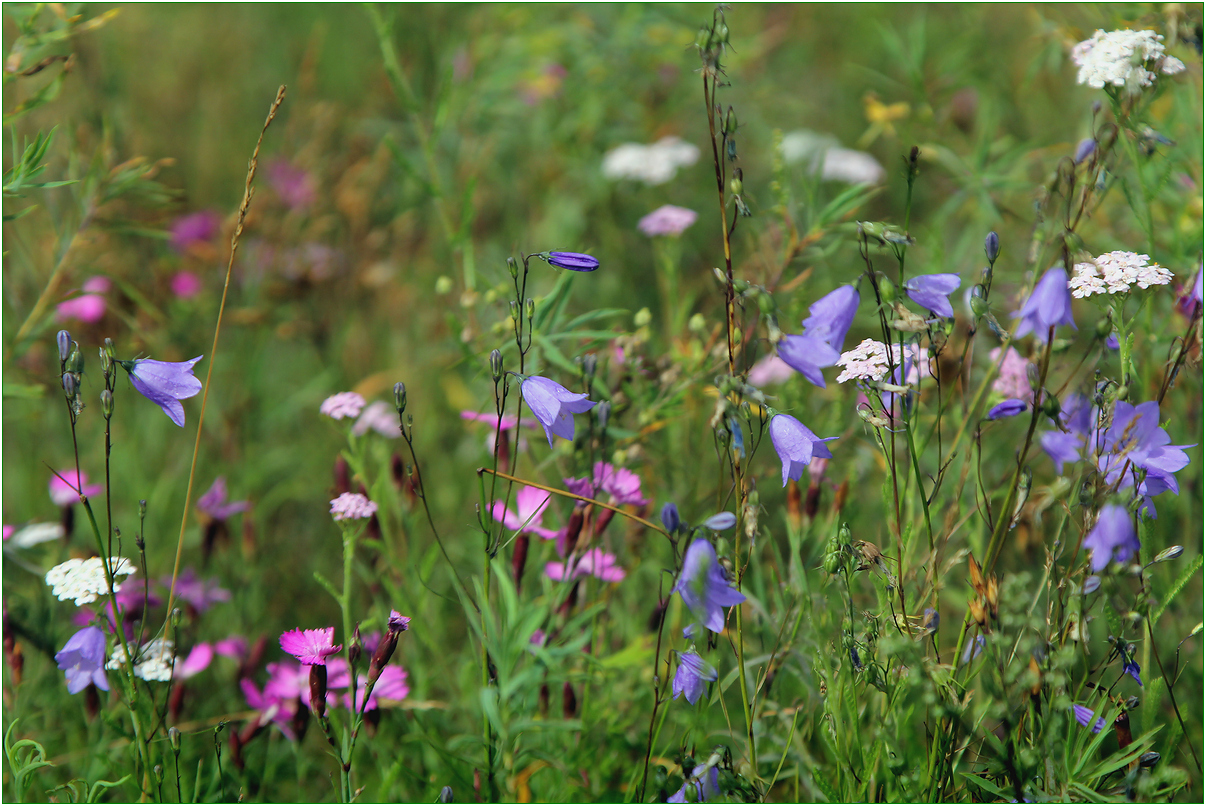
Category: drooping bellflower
<point>165,383</point>
<point>930,291</point>
<point>1113,538</point>
<point>807,355</point>
<point>692,677</point>
<point>1006,408</point>
<point>830,317</point>
<point>1135,437</point>
<point>796,445</point>
<point>704,780</point>
<point>703,586</point>
<point>82,658</point>
<point>554,406</point>
<point>1049,305</point>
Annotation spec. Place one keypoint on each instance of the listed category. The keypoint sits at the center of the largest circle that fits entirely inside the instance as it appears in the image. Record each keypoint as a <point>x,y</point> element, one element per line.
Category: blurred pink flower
<point>201,594</point>
<point>197,227</point>
<point>391,685</point>
<point>1012,380</point>
<point>381,417</point>
<point>186,285</point>
<point>272,707</point>
<point>88,307</point>
<point>213,503</point>
<point>197,661</point>
<point>342,404</point>
<point>667,220</point>
<point>295,186</point>
<point>595,562</point>
<point>234,647</point>
<point>64,494</point>
<point>530,503</point>
<point>621,484</point>
<point>771,369</point>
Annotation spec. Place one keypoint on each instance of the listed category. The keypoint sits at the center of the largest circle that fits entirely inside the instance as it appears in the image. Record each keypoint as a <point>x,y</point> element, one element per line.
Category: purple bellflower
<point>703,586</point>
<point>930,291</point>
<point>1084,715</point>
<point>692,677</point>
<point>554,406</point>
<point>1113,538</point>
<point>1135,437</point>
<point>1006,408</point>
<point>574,261</point>
<point>1049,305</point>
<point>165,383</point>
<point>83,659</point>
<point>807,355</point>
<point>1076,414</point>
<point>796,445</point>
<point>706,782</point>
<point>830,316</point>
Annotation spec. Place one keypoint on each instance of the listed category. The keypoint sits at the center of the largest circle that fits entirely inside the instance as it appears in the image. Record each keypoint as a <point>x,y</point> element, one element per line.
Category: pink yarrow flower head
<point>186,285</point>
<point>1012,379</point>
<point>350,506</point>
<point>213,503</point>
<point>165,383</point>
<point>343,404</point>
<point>593,562</point>
<point>1049,305</point>
<point>554,406</point>
<point>63,491</point>
<point>194,228</point>
<point>530,504</point>
<point>379,416</point>
<point>90,306</point>
<point>311,647</point>
<point>796,445</point>
<point>667,220</point>
<point>770,370</point>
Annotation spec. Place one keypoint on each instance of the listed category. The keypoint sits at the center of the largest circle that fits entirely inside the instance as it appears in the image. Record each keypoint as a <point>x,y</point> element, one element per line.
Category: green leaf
<point>1177,586</point>
<point>100,787</point>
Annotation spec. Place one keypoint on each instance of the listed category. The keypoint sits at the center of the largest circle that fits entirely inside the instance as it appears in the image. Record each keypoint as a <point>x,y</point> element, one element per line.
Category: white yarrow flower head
<point>84,580</point>
<point>1115,273</point>
<point>866,362</point>
<point>153,662</point>
<point>653,164</point>
<point>1121,59</point>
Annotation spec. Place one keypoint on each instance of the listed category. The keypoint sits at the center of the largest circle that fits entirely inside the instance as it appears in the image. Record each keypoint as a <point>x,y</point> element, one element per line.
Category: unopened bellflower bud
<point>512,267</point>
<point>64,342</point>
<point>992,246</point>
<point>106,398</point>
<point>69,384</point>
<point>496,365</point>
<point>529,308</point>
<point>75,360</point>
<point>400,396</point>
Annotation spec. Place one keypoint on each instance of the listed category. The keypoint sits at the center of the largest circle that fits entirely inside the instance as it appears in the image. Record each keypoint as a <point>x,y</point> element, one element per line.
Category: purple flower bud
<point>574,261</point>
<point>165,383</point>
<point>992,246</point>
<point>1049,305</point>
<point>64,342</point>
<point>1092,583</point>
<point>930,292</point>
<point>1006,408</point>
<point>670,518</point>
<point>1084,150</point>
<point>721,521</point>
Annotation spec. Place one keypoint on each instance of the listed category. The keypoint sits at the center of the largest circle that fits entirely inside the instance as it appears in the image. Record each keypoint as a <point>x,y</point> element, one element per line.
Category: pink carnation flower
<point>311,647</point>
<point>621,484</point>
<point>63,494</point>
<point>88,307</point>
<point>595,562</point>
<point>530,503</point>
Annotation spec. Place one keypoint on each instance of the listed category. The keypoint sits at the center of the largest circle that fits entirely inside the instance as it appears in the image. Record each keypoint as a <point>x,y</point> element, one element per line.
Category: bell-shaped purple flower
<point>1135,437</point>
<point>703,586</point>
<point>1113,538</point>
<point>807,355</point>
<point>1050,305</point>
<point>704,780</point>
<point>574,261</point>
<point>1076,414</point>
<point>165,383</point>
<point>1006,408</point>
<point>1084,715</point>
<point>692,677</point>
<point>796,445</point>
<point>930,291</point>
<point>554,406</point>
<point>83,659</point>
<point>830,317</point>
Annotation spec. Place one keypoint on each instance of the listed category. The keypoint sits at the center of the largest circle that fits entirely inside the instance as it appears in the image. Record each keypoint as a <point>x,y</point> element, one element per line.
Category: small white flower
<point>1115,272</point>
<point>653,164</point>
<point>1086,281</point>
<point>84,580</point>
<point>153,662</point>
<point>1117,58</point>
<point>36,533</point>
<point>867,361</point>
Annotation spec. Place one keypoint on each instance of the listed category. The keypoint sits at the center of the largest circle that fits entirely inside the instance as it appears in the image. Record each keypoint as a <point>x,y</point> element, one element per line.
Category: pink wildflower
<point>311,647</point>
<point>530,503</point>
<point>344,404</point>
<point>88,307</point>
<point>1012,381</point>
<point>380,417</point>
<point>594,562</point>
<point>186,285</point>
<point>622,485</point>
<point>667,220</point>
<point>350,506</point>
<point>63,494</point>
<point>771,369</point>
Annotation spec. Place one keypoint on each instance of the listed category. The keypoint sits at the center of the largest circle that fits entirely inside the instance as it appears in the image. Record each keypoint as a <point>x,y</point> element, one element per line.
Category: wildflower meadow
<point>602,403</point>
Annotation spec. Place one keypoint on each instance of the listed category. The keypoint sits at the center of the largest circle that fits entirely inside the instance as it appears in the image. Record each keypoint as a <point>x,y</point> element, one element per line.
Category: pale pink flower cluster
<point>1117,58</point>
<point>349,506</point>
<point>1115,273</point>
<point>344,404</point>
<point>1012,381</point>
<point>869,362</point>
<point>667,220</point>
<point>595,562</point>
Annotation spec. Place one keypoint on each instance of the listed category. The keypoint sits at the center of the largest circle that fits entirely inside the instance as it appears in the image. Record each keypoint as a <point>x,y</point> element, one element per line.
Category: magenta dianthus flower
<point>343,404</point>
<point>88,307</point>
<point>554,406</point>
<point>621,484</point>
<point>165,383</point>
<point>530,504</point>
<point>186,285</point>
<point>311,647</point>
<point>703,587</point>
<point>350,506</point>
<point>594,562</point>
<point>194,228</point>
<point>201,594</point>
<point>63,494</point>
